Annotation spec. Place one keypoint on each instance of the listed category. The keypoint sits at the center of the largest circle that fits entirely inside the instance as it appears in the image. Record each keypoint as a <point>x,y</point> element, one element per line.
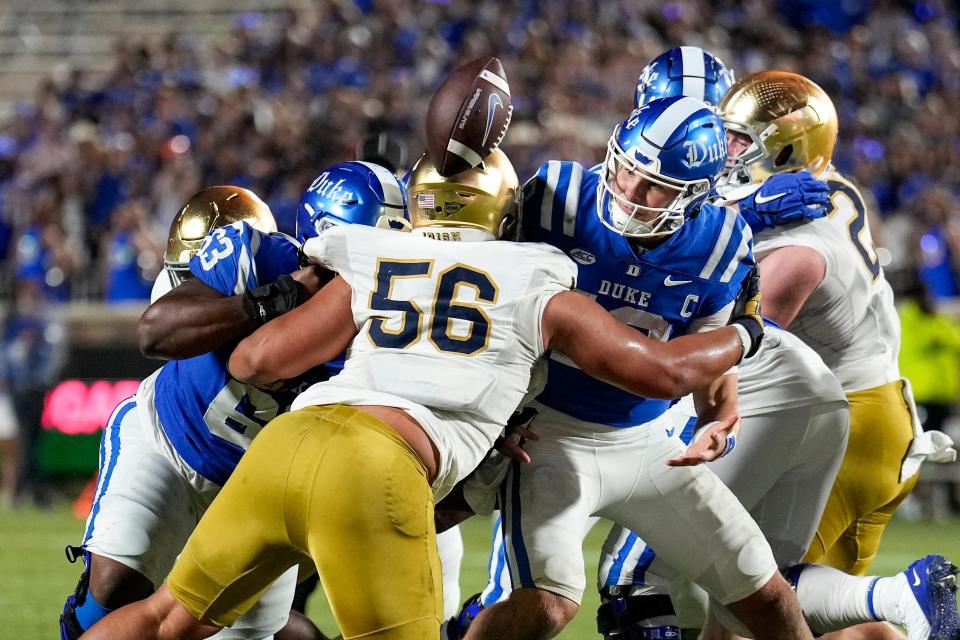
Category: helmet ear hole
<point>784,156</point>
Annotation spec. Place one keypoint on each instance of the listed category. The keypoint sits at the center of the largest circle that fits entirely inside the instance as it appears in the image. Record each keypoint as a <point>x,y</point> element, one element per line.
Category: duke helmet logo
<point>583,256</point>
<point>324,186</point>
<point>698,153</point>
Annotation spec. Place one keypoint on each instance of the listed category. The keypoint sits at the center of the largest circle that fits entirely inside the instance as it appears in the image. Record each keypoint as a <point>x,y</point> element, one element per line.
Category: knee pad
<point>637,618</point>
<point>81,611</point>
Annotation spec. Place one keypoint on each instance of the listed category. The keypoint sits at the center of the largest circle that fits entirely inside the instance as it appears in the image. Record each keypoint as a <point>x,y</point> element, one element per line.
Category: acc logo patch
<point>583,256</point>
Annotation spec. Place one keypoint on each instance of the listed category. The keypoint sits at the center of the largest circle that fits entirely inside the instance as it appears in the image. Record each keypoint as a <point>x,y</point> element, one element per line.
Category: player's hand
<point>310,279</point>
<point>747,313</point>
<point>784,198</point>
<point>516,434</point>
<point>747,303</point>
<point>714,441</point>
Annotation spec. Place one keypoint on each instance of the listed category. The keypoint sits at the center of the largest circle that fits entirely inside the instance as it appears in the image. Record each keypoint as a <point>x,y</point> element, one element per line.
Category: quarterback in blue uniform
<point>167,451</point>
<point>653,252</point>
<point>772,418</point>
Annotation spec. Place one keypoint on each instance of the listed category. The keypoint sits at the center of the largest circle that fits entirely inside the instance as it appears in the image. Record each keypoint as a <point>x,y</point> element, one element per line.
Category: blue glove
<point>786,197</point>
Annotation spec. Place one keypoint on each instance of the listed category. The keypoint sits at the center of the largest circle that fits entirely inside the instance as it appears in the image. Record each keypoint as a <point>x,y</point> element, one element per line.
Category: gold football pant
<point>337,485</point>
<point>868,489</point>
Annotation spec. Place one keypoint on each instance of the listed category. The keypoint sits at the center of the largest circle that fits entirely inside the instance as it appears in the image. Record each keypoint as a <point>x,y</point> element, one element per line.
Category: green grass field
<point>35,577</point>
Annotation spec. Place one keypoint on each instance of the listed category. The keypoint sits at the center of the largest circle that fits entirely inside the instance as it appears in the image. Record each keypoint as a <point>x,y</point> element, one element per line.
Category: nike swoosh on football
<point>670,432</point>
<point>670,282</point>
<point>916,579</point>
<point>764,199</point>
<point>491,110</point>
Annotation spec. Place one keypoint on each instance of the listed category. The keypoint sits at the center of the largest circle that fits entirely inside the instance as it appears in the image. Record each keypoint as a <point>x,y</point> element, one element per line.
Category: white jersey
<point>447,331</point>
<point>162,285</point>
<point>784,374</point>
<point>849,319</point>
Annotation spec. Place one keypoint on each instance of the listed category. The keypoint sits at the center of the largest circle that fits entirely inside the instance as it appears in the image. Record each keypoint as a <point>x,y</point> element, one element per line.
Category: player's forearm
<point>252,364</point>
<point>678,367</point>
<point>605,348</point>
<point>292,344</point>
<point>183,327</point>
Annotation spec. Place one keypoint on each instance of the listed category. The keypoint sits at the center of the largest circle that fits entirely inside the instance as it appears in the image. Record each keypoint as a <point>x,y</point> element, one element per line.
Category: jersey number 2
<point>446,308</point>
<point>857,227</point>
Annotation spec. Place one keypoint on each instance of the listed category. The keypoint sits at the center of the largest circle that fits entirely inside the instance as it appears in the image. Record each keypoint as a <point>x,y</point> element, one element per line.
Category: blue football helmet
<point>351,193</point>
<point>678,144</point>
<point>684,71</point>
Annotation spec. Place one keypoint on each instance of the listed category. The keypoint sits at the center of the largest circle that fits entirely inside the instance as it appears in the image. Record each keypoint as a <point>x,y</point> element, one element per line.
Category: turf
<point>35,576</point>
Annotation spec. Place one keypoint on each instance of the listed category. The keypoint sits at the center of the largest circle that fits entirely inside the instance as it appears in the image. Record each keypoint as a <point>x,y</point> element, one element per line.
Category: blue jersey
<point>693,274</point>
<point>209,417</point>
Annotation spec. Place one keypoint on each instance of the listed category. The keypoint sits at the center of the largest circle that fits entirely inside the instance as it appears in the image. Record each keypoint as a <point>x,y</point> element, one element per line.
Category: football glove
<point>784,198</point>
<point>746,312</point>
<point>268,301</point>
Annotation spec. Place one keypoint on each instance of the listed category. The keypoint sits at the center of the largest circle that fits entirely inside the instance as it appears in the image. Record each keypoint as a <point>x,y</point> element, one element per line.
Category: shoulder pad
<point>551,199</point>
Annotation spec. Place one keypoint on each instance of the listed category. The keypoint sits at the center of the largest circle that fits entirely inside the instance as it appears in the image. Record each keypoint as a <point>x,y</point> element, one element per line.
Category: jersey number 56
<point>440,325</point>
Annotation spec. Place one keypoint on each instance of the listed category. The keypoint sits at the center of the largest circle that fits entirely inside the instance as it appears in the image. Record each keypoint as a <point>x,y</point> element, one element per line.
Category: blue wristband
<point>731,445</point>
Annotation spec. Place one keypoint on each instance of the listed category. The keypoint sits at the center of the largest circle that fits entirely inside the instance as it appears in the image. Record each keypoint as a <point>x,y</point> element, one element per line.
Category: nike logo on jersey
<point>916,579</point>
<point>765,199</point>
<point>670,282</point>
<point>671,431</point>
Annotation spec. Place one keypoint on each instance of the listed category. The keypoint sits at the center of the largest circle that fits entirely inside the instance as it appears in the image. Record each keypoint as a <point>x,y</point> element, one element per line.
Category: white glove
<point>934,446</point>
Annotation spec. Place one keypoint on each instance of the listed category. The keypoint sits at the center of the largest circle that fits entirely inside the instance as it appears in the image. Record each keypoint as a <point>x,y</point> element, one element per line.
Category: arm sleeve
<point>550,202</point>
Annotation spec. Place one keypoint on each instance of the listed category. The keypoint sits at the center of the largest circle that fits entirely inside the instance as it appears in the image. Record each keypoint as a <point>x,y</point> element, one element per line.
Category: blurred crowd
<point>93,169</point>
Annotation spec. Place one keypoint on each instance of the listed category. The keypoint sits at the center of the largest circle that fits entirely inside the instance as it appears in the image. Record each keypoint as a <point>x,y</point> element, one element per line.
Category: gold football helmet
<point>483,198</point>
<point>791,122</point>
<point>208,209</point>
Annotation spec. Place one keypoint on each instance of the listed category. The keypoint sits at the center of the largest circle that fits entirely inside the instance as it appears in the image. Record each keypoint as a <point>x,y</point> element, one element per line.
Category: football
<point>468,116</point>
